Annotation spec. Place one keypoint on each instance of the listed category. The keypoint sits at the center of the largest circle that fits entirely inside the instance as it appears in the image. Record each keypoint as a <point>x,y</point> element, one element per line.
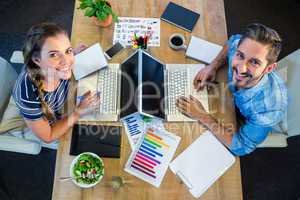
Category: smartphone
<point>116,48</point>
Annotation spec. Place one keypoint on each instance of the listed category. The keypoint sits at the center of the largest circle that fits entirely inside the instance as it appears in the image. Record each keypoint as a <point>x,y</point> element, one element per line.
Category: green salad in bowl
<point>86,170</point>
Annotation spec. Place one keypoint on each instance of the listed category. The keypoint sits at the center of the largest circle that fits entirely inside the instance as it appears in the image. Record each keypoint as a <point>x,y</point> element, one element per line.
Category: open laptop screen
<point>129,84</point>
<point>152,86</point>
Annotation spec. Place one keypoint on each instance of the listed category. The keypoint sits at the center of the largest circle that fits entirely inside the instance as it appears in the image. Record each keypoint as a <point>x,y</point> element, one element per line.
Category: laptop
<point>116,84</point>
<point>141,84</point>
<point>164,84</point>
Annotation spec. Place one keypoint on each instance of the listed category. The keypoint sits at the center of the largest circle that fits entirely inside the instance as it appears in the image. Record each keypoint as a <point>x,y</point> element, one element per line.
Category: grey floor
<point>267,174</point>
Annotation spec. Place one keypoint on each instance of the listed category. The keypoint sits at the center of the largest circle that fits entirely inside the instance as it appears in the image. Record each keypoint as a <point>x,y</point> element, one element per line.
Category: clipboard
<point>202,163</point>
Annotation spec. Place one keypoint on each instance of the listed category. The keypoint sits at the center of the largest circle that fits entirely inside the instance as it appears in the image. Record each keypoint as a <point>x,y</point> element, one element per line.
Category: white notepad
<point>202,163</point>
<point>202,50</point>
<point>89,61</point>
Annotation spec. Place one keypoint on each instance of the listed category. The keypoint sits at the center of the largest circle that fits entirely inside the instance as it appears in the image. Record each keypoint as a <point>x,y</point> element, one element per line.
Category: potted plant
<point>99,10</point>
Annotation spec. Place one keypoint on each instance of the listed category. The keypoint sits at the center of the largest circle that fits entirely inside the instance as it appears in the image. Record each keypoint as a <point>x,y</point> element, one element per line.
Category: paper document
<point>135,125</point>
<point>152,155</point>
<point>128,26</point>
<point>202,163</point>
<point>89,61</point>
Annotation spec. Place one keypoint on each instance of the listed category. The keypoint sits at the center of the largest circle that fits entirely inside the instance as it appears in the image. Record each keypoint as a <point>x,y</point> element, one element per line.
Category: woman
<point>42,87</point>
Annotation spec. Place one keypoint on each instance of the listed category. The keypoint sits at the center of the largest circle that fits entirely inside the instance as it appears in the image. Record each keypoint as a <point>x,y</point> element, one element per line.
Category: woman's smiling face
<point>56,57</point>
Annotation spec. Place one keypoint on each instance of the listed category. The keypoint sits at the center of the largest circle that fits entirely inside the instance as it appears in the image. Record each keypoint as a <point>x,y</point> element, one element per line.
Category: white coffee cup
<point>176,41</point>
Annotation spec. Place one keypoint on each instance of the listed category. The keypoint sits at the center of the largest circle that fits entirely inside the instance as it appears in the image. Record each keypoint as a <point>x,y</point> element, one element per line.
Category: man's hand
<point>208,73</point>
<point>191,107</point>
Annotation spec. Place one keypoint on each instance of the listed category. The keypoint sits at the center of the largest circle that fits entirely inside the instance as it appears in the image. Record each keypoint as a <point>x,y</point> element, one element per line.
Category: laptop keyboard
<point>107,85</point>
<point>177,87</point>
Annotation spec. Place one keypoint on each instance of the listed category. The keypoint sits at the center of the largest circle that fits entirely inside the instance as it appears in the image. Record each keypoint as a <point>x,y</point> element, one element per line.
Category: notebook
<point>89,61</point>
<point>105,141</point>
<point>180,16</point>
<point>202,50</point>
<point>202,163</point>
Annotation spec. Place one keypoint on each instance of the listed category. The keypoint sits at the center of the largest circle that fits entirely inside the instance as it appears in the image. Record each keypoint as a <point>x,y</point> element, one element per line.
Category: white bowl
<point>82,185</point>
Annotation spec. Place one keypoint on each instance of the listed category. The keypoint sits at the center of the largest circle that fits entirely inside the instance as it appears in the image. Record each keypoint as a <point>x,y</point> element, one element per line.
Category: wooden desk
<point>210,26</point>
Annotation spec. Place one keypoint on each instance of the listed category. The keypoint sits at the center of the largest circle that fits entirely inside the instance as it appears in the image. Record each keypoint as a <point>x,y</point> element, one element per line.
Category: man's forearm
<point>221,58</point>
<point>222,133</point>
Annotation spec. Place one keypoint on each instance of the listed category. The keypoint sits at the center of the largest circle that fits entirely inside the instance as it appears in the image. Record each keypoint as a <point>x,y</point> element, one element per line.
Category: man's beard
<point>250,82</point>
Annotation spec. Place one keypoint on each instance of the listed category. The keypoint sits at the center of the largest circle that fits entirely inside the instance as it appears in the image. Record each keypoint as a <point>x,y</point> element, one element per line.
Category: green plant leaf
<point>115,17</point>
<point>89,12</point>
<point>98,8</point>
<point>101,15</point>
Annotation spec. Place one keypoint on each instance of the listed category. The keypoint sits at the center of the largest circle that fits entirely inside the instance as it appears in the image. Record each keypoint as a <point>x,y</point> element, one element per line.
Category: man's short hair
<point>265,35</point>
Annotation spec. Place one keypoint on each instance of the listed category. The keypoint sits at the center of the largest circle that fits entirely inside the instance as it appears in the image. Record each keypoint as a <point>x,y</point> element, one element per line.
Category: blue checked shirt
<point>263,106</point>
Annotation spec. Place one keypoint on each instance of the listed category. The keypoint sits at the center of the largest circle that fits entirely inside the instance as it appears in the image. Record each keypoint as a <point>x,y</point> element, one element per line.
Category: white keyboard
<point>107,85</point>
<point>177,86</point>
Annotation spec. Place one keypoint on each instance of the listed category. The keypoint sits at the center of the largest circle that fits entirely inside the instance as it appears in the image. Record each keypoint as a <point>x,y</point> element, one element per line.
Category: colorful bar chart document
<point>152,155</point>
<point>135,124</point>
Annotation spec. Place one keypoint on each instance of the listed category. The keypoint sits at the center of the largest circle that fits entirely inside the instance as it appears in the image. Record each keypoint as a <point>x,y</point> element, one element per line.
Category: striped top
<point>26,97</point>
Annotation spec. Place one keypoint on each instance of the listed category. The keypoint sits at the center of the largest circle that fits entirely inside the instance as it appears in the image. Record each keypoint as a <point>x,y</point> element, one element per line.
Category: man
<point>259,93</point>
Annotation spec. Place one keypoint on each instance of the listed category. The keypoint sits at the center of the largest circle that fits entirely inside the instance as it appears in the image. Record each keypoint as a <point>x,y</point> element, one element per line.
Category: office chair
<point>289,69</point>
<point>8,77</point>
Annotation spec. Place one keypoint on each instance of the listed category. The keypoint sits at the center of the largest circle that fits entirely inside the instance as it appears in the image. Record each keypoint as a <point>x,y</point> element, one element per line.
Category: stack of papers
<point>198,166</point>
<point>153,148</point>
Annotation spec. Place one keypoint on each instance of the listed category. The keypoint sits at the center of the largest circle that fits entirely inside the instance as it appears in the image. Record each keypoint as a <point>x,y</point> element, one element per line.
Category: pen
<point>135,37</point>
<point>80,98</point>
<point>211,82</point>
<point>145,41</point>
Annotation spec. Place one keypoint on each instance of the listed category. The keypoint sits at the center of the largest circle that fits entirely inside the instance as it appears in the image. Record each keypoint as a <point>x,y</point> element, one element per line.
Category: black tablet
<point>105,141</point>
<point>180,16</point>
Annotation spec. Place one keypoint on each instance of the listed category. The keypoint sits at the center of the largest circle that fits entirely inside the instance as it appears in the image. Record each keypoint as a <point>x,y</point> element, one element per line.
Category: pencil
<point>211,82</point>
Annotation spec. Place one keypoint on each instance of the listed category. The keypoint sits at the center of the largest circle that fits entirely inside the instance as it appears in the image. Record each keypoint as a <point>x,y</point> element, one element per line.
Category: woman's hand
<point>79,49</point>
<point>208,73</point>
<point>191,107</point>
<point>89,101</point>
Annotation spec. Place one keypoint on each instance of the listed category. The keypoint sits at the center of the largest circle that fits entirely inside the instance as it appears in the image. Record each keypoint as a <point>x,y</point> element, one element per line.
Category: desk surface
<point>210,26</point>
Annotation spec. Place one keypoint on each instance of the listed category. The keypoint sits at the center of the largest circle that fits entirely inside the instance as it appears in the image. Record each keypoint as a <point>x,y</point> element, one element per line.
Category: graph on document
<point>150,159</point>
<point>135,124</point>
